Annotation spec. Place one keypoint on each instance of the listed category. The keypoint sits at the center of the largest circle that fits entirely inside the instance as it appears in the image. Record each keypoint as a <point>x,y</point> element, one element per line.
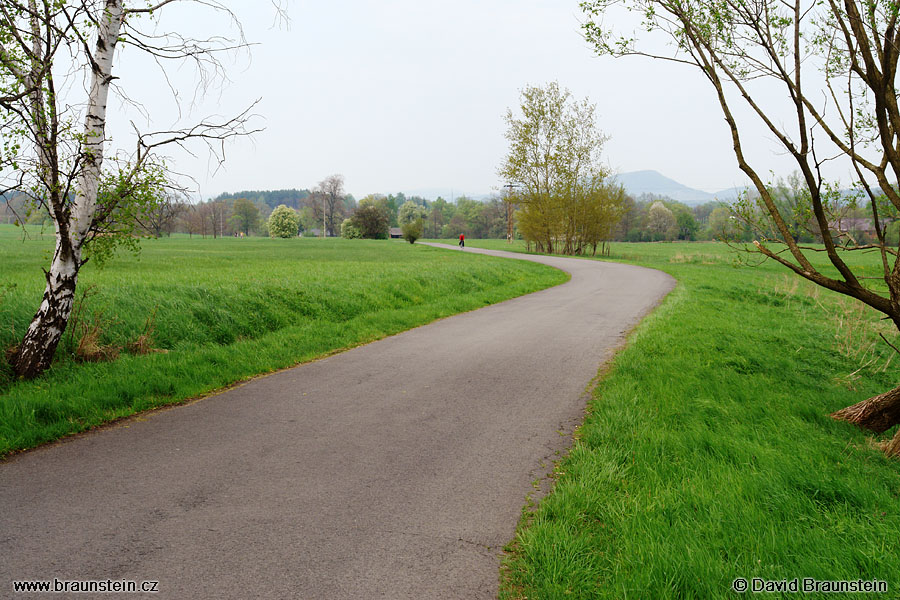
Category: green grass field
<point>225,310</point>
<point>708,453</point>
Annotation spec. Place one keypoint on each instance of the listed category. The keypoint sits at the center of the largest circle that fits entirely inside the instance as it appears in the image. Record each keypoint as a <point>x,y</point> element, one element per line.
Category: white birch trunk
<point>88,180</point>
<point>39,344</point>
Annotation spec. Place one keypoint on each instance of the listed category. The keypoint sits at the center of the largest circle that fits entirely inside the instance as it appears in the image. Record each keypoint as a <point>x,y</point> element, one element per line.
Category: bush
<point>412,231</point>
<point>373,220</point>
<point>284,222</point>
<point>349,230</point>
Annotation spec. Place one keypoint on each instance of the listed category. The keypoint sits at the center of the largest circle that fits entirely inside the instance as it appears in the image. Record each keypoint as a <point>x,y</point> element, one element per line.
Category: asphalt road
<point>395,470</point>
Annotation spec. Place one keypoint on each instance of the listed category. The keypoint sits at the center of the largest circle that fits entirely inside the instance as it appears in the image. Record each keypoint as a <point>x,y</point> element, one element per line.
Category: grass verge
<point>225,310</point>
<point>707,453</point>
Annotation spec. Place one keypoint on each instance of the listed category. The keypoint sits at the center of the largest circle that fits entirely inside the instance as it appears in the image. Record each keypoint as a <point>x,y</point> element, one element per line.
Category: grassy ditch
<point>189,316</point>
<point>708,454</point>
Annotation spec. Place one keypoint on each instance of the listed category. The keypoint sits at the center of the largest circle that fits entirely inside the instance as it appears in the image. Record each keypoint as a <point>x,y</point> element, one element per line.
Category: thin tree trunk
<point>877,414</point>
<point>39,344</point>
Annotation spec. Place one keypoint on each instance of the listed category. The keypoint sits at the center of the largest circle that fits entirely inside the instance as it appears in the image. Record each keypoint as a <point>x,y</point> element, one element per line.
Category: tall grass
<point>708,453</point>
<point>224,310</point>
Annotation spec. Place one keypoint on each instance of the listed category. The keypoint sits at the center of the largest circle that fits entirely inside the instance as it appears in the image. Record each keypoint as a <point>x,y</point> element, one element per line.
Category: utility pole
<point>509,223</point>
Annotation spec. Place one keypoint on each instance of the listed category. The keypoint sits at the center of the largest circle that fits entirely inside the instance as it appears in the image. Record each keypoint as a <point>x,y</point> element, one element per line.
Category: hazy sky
<point>407,95</point>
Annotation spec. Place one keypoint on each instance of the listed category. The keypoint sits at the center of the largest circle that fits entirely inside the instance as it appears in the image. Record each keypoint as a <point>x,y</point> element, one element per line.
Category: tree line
<point>248,213</point>
<point>641,218</point>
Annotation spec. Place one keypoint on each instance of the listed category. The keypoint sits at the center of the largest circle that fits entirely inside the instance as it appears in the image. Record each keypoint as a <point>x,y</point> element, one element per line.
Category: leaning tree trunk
<point>876,414</point>
<point>36,351</point>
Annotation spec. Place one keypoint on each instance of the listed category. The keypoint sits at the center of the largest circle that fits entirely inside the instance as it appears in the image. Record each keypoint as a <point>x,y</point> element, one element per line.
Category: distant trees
<point>205,218</point>
<point>216,213</point>
<point>456,226</point>
<point>292,198</point>
<point>554,160</point>
<point>661,221</point>
<point>14,208</point>
<point>722,223</point>
<point>614,217</point>
<point>161,218</point>
<point>394,202</point>
<point>328,202</point>
<point>435,219</point>
<point>284,222</point>
<point>409,212</point>
<point>308,220</point>
<point>244,216</point>
<point>690,222</point>
<point>372,218</point>
<point>793,200</point>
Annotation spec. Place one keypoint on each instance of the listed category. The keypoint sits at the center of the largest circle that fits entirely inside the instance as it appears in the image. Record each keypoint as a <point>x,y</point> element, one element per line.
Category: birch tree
<point>818,78</point>
<point>54,144</point>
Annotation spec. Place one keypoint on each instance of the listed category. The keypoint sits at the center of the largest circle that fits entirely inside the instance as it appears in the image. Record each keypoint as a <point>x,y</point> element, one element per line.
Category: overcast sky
<point>409,95</point>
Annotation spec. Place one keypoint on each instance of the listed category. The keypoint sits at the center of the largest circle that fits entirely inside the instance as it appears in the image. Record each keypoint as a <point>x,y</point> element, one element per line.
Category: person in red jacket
<point>462,240</point>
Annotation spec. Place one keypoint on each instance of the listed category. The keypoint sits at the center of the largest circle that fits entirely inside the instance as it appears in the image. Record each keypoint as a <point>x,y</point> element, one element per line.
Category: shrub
<point>373,220</point>
<point>284,222</point>
<point>349,230</point>
<point>412,231</point>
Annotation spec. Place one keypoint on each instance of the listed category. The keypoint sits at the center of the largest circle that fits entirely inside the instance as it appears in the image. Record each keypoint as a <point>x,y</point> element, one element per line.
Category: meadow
<point>186,317</point>
<point>707,453</point>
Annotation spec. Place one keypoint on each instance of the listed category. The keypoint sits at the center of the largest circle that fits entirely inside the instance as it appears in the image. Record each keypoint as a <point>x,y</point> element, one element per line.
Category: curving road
<point>394,470</point>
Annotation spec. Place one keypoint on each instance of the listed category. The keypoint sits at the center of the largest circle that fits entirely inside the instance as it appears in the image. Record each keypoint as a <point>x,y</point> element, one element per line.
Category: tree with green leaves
<point>393,203</point>
<point>436,217</point>
<point>244,216</point>
<point>817,78</point>
<point>373,218</point>
<point>308,220</point>
<point>54,135</point>
<point>554,164</point>
<point>661,222</point>
<point>409,212</point>
<point>685,223</point>
<point>284,222</point>
<point>723,224</point>
<point>412,230</point>
<point>349,230</point>
<point>603,209</point>
<point>127,203</point>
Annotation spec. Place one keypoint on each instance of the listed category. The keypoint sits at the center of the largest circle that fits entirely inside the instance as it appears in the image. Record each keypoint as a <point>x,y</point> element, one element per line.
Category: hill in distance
<point>653,182</point>
<point>635,182</point>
